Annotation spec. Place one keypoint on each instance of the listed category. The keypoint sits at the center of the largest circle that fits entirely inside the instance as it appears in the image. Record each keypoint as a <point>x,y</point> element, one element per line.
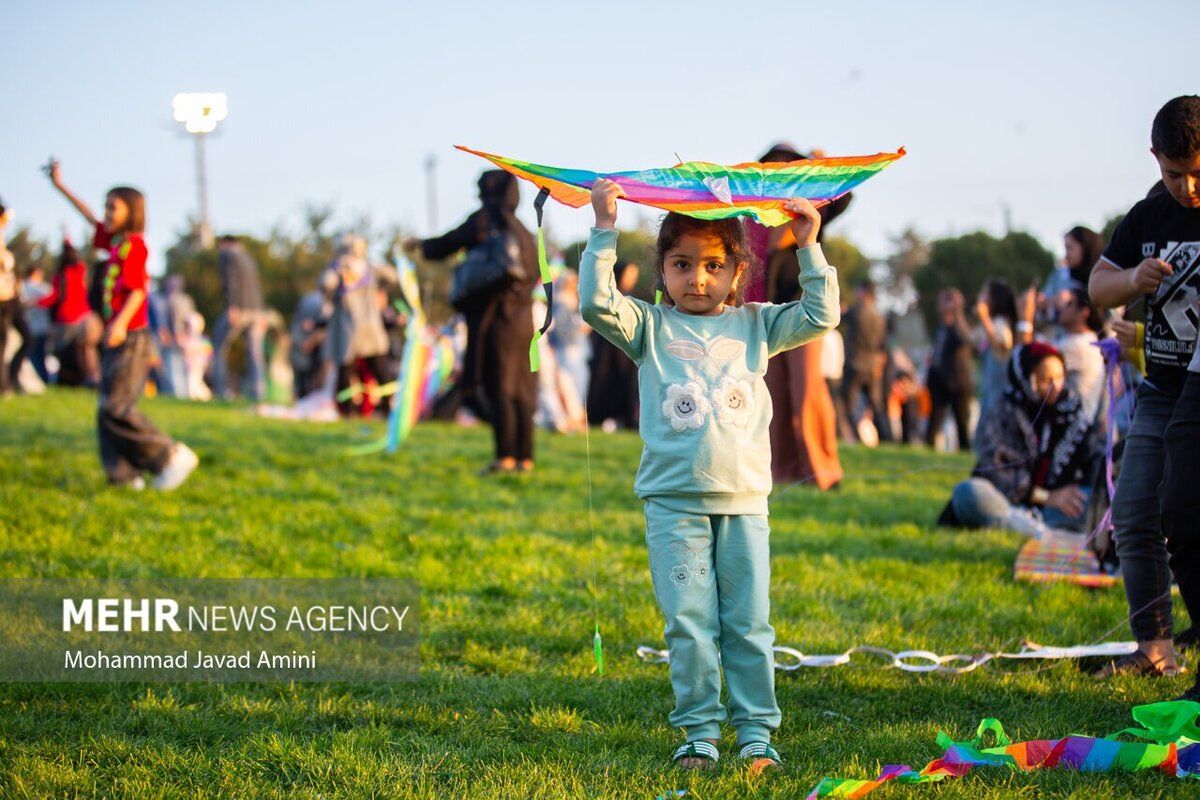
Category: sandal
<point>1136,663</point>
<point>698,748</point>
<point>761,755</point>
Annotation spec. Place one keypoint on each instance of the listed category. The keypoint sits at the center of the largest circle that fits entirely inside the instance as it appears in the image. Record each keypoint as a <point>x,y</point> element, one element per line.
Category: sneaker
<point>182,462</point>
<point>136,484</point>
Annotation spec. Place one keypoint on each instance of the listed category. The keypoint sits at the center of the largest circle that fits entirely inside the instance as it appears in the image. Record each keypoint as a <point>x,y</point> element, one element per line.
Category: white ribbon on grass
<point>793,659</point>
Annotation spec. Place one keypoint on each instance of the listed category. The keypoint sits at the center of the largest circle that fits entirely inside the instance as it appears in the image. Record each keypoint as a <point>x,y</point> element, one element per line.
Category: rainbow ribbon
<point>711,191</point>
<point>425,367</point>
<point>1174,749</point>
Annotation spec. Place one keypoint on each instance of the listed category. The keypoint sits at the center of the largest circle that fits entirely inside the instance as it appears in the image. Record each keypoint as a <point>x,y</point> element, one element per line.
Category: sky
<point>1037,110</point>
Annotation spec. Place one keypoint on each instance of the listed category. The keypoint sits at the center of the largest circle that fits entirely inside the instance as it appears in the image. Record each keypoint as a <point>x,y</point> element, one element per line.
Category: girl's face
<point>1048,379</point>
<point>116,214</point>
<point>1074,252</point>
<point>698,276</point>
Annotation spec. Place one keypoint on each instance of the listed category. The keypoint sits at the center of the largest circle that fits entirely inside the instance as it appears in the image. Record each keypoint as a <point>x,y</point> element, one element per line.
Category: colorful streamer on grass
<point>711,191</point>
<point>1174,748</point>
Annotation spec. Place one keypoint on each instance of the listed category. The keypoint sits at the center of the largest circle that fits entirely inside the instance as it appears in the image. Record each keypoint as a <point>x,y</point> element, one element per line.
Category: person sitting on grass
<point>705,472</point>
<point>1037,450</point>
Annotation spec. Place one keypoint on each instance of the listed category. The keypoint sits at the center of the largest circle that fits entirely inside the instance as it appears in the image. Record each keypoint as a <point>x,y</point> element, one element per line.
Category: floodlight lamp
<point>200,111</point>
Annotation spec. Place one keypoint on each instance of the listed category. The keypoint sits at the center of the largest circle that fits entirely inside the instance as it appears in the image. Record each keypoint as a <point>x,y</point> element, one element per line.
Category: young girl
<point>129,443</point>
<point>706,467</point>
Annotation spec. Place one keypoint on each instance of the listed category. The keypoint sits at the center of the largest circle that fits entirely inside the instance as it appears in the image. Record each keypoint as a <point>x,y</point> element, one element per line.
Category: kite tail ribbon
<point>547,283</point>
<point>598,649</point>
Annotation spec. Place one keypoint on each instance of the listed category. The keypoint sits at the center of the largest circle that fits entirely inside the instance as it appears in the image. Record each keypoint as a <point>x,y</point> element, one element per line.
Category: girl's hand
<point>1027,304</point>
<point>53,171</point>
<point>115,335</point>
<point>982,311</point>
<point>807,222</point>
<point>604,202</point>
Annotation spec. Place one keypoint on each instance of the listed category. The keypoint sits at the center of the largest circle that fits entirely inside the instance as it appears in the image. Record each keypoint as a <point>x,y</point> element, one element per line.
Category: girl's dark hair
<point>1001,300</point>
<point>68,256</point>
<point>732,235</point>
<point>1093,245</point>
<point>135,201</point>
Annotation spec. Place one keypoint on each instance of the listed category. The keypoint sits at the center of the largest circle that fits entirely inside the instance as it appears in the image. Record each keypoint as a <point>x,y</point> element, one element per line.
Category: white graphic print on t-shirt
<point>1174,319</point>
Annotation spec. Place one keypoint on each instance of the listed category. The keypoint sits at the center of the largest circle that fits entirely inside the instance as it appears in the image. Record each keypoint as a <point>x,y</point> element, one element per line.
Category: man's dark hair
<point>1080,296</point>
<point>1175,133</point>
<point>227,238</point>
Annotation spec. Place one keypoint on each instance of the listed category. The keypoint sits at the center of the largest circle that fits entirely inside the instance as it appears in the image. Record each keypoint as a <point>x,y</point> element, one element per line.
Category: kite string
<point>597,644</point>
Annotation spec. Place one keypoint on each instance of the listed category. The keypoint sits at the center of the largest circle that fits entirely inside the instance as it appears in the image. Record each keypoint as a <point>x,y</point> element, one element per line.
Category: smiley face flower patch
<point>733,402</point>
<point>686,406</point>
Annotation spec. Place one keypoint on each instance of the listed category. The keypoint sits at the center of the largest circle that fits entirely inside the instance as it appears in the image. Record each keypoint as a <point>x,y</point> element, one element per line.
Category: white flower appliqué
<point>733,401</point>
<point>681,575</point>
<point>686,406</point>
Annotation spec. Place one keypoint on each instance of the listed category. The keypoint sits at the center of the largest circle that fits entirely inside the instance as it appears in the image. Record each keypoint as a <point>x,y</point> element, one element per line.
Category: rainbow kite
<point>1174,748</point>
<point>711,191</point>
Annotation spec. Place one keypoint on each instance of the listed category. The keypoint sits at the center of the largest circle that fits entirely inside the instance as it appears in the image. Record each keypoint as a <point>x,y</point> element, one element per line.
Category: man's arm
<point>1111,286</point>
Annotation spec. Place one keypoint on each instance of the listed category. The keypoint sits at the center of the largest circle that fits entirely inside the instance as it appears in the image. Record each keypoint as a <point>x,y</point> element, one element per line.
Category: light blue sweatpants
<point>711,576</point>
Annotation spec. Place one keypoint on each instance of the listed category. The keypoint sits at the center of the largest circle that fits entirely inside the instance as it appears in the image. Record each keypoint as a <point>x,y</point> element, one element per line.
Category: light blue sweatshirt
<point>705,406</point>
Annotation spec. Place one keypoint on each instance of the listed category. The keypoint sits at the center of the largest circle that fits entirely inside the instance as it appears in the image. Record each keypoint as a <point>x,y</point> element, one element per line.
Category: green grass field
<point>508,704</point>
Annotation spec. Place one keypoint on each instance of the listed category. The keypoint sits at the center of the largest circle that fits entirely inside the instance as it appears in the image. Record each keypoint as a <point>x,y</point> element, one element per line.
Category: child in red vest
<point>130,444</point>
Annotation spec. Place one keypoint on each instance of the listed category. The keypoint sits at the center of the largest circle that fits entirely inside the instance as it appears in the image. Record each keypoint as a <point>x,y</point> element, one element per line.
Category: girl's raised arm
<point>54,172</point>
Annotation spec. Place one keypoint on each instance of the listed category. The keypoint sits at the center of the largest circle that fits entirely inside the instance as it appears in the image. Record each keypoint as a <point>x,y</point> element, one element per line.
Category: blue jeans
<point>1180,502</point>
<point>1141,546</point>
<point>979,504</point>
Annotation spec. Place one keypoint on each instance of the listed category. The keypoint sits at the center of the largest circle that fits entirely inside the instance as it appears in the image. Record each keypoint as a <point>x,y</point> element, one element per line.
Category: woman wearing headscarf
<point>496,375</point>
<point>804,423</point>
<point>1036,453</point>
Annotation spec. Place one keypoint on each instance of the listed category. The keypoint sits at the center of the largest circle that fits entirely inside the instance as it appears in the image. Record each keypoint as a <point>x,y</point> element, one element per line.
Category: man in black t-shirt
<point>1154,257</point>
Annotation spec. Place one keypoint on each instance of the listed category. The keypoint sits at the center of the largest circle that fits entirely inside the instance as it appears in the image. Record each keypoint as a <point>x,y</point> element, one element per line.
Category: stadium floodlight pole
<point>200,112</point>
<point>431,193</point>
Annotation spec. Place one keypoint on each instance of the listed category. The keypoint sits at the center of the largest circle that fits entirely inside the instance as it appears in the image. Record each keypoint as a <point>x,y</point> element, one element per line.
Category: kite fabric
<point>1173,747</point>
<point>1042,562</point>
<point>711,191</point>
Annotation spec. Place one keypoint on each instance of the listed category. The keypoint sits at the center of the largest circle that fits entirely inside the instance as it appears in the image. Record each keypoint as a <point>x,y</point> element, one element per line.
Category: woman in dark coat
<point>612,399</point>
<point>496,374</point>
